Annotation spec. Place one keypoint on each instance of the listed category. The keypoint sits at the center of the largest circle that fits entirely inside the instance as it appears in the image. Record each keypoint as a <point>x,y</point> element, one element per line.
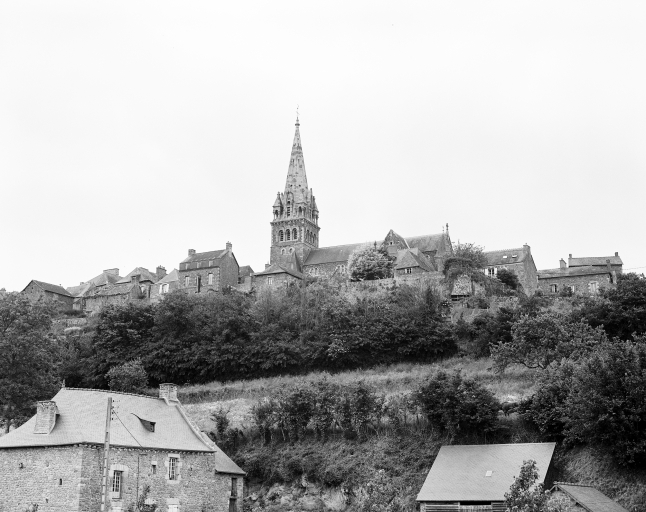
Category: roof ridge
<point>421,236</point>
<point>498,444</point>
<point>110,391</point>
<point>342,245</point>
<point>572,483</point>
<point>505,250</point>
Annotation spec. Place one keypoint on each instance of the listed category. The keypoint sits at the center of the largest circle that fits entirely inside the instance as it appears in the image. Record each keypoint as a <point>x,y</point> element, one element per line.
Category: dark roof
<point>105,278</point>
<point>81,419</point>
<point>396,237</point>
<point>426,243</point>
<point>459,472</point>
<point>115,289</point>
<point>505,256</point>
<point>80,290</point>
<point>409,258</point>
<point>205,256</point>
<point>552,273</point>
<point>245,271</point>
<point>589,498</point>
<point>171,277</point>
<point>279,269</point>
<point>335,254</point>
<point>146,275</point>
<point>53,288</point>
<point>597,261</point>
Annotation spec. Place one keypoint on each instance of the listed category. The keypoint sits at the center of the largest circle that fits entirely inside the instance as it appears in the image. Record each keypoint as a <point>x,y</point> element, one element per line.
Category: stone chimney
<point>527,248</point>
<point>570,256</point>
<point>229,246</point>
<point>267,265</point>
<point>112,271</point>
<point>191,252</point>
<point>562,262</point>
<point>161,272</point>
<point>135,278</point>
<point>168,391</point>
<point>616,254</point>
<point>45,417</point>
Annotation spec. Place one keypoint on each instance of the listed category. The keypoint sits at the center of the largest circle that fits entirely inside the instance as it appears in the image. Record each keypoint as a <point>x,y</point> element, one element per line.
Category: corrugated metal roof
<point>595,260</point>
<point>590,498</point>
<point>81,420</point>
<point>458,473</point>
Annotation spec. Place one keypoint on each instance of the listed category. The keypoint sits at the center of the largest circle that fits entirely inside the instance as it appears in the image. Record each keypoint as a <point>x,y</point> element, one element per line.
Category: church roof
<point>426,243</point>
<point>296,176</point>
<point>335,254</point>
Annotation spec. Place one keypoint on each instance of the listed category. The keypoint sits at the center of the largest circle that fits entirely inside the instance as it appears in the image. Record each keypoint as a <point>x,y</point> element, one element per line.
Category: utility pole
<point>106,456</point>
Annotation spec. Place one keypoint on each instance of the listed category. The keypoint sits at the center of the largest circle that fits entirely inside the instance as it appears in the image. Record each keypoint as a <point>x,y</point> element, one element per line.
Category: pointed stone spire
<point>296,177</point>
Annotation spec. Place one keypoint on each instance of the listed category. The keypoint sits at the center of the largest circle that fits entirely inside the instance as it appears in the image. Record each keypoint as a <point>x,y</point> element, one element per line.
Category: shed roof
<point>459,472</point>
<point>595,260</point>
<point>589,498</point>
<point>81,420</point>
<point>505,256</point>
<point>205,256</point>
<point>334,254</point>
<point>52,288</point>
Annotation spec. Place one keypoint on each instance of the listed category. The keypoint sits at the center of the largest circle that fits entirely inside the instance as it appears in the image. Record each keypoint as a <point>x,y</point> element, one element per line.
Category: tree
<point>129,377</point>
<point>370,263</point>
<point>549,336</point>
<point>509,278</point>
<point>524,495</point>
<point>29,357</point>
<point>467,260</point>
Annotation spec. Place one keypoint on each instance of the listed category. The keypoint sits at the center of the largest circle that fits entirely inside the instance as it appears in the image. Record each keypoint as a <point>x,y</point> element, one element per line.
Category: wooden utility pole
<point>106,456</point>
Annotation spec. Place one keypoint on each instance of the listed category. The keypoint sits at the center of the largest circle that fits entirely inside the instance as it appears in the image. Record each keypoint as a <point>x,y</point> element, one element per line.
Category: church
<point>295,250</point>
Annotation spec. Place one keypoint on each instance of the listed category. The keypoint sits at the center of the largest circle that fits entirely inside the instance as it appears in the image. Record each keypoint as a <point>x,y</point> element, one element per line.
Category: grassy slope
<point>407,455</point>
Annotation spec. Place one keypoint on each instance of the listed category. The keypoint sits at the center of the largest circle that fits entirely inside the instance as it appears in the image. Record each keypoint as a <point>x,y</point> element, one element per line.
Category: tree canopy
<point>370,263</point>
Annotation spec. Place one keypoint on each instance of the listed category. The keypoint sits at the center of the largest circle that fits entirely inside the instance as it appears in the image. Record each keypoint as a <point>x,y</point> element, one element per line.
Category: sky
<point>131,132</point>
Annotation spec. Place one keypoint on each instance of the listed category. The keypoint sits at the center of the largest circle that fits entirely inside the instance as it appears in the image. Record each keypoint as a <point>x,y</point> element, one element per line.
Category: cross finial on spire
<point>297,123</point>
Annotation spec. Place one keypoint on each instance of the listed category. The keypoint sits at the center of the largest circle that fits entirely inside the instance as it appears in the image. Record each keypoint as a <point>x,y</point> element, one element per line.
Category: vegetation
<point>129,377</point>
<point>370,263</point>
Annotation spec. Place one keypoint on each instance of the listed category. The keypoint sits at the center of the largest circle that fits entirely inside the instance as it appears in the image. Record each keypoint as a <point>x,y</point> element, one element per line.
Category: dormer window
<point>504,257</point>
<point>514,255</point>
<point>198,264</point>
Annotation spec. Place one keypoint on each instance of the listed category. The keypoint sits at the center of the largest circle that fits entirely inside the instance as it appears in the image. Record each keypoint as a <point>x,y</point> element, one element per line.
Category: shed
<point>587,497</point>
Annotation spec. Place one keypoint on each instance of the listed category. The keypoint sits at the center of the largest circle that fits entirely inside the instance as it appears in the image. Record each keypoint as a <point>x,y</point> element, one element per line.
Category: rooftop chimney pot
<point>562,263</point>
<point>46,412</point>
<point>168,391</point>
<point>570,256</point>
<point>229,246</point>
<point>616,253</point>
<point>191,252</point>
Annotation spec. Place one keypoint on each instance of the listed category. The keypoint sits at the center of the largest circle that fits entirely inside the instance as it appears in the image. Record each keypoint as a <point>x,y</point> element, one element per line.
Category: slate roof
<point>171,277</point>
<point>597,261</point>
<point>245,271</point>
<point>80,290</point>
<point>115,289</point>
<point>589,498</point>
<point>458,473</point>
<point>146,275</point>
<point>334,254</point>
<point>205,256</point>
<point>498,257</point>
<point>409,258</point>
<point>571,272</point>
<point>105,278</point>
<point>279,269</point>
<point>426,243</point>
<point>53,288</point>
<point>81,420</point>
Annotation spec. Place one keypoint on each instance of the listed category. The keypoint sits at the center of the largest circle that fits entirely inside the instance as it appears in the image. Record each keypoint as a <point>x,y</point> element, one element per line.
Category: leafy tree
<point>129,377</point>
<point>29,357</point>
<point>524,495</point>
<point>509,278</point>
<point>538,341</point>
<point>467,258</point>
<point>370,263</point>
<point>456,405</point>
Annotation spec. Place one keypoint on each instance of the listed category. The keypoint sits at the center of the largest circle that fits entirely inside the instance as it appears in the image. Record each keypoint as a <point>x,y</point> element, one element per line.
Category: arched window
<point>294,234</point>
<point>280,235</point>
<point>300,211</point>
<point>282,251</point>
<point>288,235</point>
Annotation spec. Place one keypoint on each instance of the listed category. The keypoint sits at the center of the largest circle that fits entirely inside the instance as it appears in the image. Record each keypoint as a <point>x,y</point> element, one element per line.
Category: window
<point>172,468</point>
<point>117,482</point>
<point>289,210</point>
<point>281,235</point>
<point>233,499</point>
<point>210,278</point>
<point>187,281</point>
<point>153,468</point>
<point>294,234</point>
<point>554,288</point>
<point>593,286</point>
<point>198,264</point>
<point>288,235</point>
<point>270,281</point>
<point>163,288</point>
<point>210,263</point>
<point>408,270</point>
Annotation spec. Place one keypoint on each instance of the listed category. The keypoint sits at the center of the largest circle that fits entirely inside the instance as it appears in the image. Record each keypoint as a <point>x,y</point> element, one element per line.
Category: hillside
<point>312,475</point>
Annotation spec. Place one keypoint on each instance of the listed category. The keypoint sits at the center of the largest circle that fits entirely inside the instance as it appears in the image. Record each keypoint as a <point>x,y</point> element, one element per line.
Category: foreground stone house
<point>476,477</point>
<point>39,290</point>
<point>581,275</point>
<point>55,460</point>
<point>211,271</point>
<point>519,261</point>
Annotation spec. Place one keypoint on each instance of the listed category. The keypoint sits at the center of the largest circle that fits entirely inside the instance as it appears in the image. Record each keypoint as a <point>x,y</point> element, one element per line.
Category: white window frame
<point>117,484</point>
<point>187,281</point>
<point>408,270</point>
<point>173,465</point>
<point>270,281</point>
<point>593,286</point>
<point>210,280</point>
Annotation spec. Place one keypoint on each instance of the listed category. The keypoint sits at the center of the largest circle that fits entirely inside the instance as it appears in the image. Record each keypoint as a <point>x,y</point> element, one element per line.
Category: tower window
<point>294,234</point>
<point>281,235</point>
<point>187,281</point>
<point>289,210</point>
<point>288,235</point>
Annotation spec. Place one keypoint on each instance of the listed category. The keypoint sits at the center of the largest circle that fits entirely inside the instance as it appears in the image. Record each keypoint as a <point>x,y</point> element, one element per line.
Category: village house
<point>476,477</point>
<point>519,261</point>
<point>210,271</point>
<point>105,278</point>
<point>167,284</point>
<point>39,290</point>
<point>55,460</point>
<point>586,498</point>
<point>581,275</point>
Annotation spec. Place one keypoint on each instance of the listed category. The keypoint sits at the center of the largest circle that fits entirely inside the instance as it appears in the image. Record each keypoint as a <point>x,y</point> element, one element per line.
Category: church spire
<point>296,183</point>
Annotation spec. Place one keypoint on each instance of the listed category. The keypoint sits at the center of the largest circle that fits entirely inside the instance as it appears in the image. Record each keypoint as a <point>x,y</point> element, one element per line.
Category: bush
<point>457,406</point>
<point>130,377</point>
<point>369,263</point>
<point>524,495</point>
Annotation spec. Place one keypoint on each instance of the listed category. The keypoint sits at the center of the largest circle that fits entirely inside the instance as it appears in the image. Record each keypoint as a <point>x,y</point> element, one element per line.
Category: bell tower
<point>295,226</point>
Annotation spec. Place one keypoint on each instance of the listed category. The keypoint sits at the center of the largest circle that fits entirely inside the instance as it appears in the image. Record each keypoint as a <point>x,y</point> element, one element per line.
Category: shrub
<point>508,278</point>
<point>129,377</point>
<point>457,406</point>
<point>524,495</point>
<point>369,263</point>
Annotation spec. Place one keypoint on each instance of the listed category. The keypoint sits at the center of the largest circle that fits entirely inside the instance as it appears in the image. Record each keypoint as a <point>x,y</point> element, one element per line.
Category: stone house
<point>581,275</point>
<point>167,284</point>
<point>519,261</point>
<point>106,278</point>
<point>210,271</point>
<point>56,459</point>
<point>585,498</point>
<point>39,290</point>
<point>476,477</point>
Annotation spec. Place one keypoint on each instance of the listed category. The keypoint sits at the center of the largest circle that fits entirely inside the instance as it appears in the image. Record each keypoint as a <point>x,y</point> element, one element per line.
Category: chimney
<point>570,256</point>
<point>161,272</point>
<point>527,248</point>
<point>616,254</point>
<point>45,417</point>
<point>135,278</point>
<point>229,246</point>
<point>267,265</point>
<point>112,271</point>
<point>191,252</point>
<point>562,262</point>
<point>168,391</point>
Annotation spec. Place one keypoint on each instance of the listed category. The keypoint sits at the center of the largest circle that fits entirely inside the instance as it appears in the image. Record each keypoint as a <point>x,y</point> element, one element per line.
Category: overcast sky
<point>133,131</point>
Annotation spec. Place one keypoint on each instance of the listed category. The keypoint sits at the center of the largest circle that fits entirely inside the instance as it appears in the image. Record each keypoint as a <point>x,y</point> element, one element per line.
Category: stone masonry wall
<point>276,280</point>
<point>580,284</point>
<point>49,477</point>
<point>35,292</point>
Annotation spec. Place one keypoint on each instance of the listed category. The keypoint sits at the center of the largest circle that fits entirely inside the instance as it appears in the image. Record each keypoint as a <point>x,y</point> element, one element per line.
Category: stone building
<point>55,460</point>
<point>581,275</point>
<point>209,271</point>
<point>519,261</point>
<point>39,290</point>
<point>106,278</point>
<point>167,284</point>
<point>295,231</point>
